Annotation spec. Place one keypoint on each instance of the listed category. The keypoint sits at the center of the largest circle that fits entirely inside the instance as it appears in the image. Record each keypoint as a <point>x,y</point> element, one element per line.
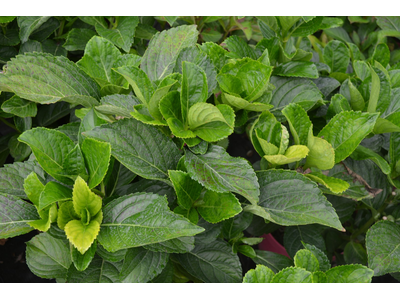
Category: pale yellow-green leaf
<point>80,235</point>
<point>321,155</point>
<point>292,154</point>
<point>33,187</point>
<point>83,197</point>
<point>336,185</point>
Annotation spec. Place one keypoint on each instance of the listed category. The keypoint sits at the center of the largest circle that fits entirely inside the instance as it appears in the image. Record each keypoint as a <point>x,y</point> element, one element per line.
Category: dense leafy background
<point>121,137</point>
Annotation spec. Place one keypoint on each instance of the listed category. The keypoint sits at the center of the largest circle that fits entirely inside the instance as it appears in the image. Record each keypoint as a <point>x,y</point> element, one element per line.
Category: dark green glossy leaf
<point>272,260</point>
<point>219,172</point>
<point>77,38</point>
<point>297,69</point>
<point>147,152</point>
<point>336,56</point>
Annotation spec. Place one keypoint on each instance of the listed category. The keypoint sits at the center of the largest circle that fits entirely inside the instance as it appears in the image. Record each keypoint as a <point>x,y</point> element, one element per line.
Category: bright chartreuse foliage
<point>177,148</point>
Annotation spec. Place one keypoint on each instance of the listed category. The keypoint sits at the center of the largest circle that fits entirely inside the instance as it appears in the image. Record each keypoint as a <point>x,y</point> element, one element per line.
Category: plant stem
<point>4,29</point>
<point>9,124</point>
<point>103,188</point>
<point>101,194</point>
<point>60,31</point>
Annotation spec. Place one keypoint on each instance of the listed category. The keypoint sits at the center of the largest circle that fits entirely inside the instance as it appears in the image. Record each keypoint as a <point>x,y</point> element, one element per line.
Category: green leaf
<point>141,148</point>
<point>187,190</point>
<point>261,274</point>
<point>100,56</point>
<point>199,58</point>
<point>336,185</point>
<point>14,216</point>
<point>388,23</point>
<point>321,155</point>
<point>218,171</point>
<point>99,271</point>
<point>337,56</point>
<point>375,90</point>
<point>346,130</point>
<point>12,177</point>
<point>233,227</point>
<point>216,207</point>
<point>211,123</point>
<point>139,81</point>
<point>240,103</point>
<point>297,69</point>
<point>361,153</point>
<point>83,198</point>
<point>382,54</point>
<point>141,265</point>
<point>266,134</point>
<point>82,261</point>
<point>141,219</point>
<point>362,69</point>
<point>19,151</point>
<point>349,274</point>
<point>272,260</point>
<point>216,53</point>
<point>178,245</point>
<point>319,277</point>
<point>89,121</point>
<point>9,37</point>
<point>292,154</point>
<point>382,243</point>
<point>65,81</point>
<point>33,187</point>
<point>110,256</point>
<point>356,99</point>
<point>194,88</point>
<point>120,105</point>
<point>323,261</point>
<point>308,28</point>
<point>166,84</point>
<point>354,253</point>
<point>56,153</point>
<point>213,262</point>
<point>337,105</point>
<point>66,213</point>
<point>53,192</point>
<point>6,19</point>
<point>299,123</point>
<point>77,38</point>
<point>239,47</point>
<point>80,235</point>
<point>97,157</point>
<point>385,91</point>
<point>28,24</point>
<point>305,259</point>
<point>122,32</point>
<point>299,203</point>
<point>293,90</point>
<point>48,257</point>
<point>159,60</point>
<point>292,275</point>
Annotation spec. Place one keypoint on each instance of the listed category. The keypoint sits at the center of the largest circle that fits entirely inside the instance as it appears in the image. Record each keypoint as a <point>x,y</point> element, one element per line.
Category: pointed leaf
<point>356,99</point>
<point>361,153</point>
<point>297,69</point>
<point>56,153</point>
<point>337,56</point>
<point>239,47</point>
<point>84,198</point>
<point>139,81</point>
<point>299,123</point>
<point>346,130</point>
<point>216,207</point>
<point>213,262</point>
<point>141,148</point>
<point>142,265</point>
<point>97,156</point>
<point>187,190</point>
<point>54,192</point>
<point>323,261</point>
<point>261,274</point>
<point>66,213</point>
<point>33,187</point>
<point>82,261</point>
<point>292,154</point>
<point>14,216</point>
<point>160,57</point>
<point>219,172</point>
<point>122,33</point>
<point>349,274</point>
<point>120,105</point>
<point>78,38</point>
<point>241,103</point>
<point>48,257</point>
<point>299,203</point>
<point>354,253</point>
<point>63,81</point>
<point>141,219</point>
<point>336,185</point>
<point>194,88</point>
<point>178,245</point>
